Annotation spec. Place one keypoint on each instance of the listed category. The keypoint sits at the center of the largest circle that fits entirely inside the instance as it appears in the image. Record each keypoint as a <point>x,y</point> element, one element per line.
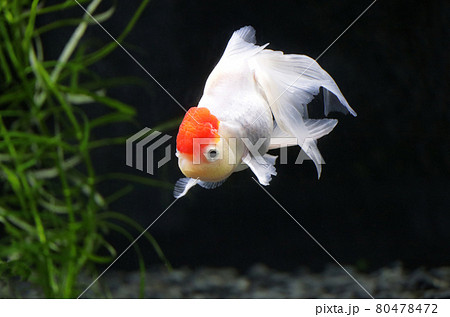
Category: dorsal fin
<point>242,43</point>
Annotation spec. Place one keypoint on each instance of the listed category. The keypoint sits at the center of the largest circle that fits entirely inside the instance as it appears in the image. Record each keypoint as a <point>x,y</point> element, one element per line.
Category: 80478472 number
<point>406,308</point>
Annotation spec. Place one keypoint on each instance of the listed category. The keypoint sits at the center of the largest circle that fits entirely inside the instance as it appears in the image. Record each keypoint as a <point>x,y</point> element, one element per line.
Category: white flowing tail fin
<point>295,80</point>
<point>289,83</point>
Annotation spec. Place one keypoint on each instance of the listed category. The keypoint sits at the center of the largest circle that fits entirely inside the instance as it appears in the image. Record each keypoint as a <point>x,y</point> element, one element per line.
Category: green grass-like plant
<point>52,216</point>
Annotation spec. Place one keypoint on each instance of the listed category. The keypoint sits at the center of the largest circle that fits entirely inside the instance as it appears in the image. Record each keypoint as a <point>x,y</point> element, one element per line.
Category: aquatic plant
<point>53,218</point>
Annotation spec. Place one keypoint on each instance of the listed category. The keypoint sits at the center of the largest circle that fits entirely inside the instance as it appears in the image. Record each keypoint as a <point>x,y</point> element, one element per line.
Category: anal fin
<point>262,166</point>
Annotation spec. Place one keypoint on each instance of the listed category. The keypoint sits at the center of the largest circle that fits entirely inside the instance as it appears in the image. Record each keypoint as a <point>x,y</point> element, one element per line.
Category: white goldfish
<point>253,97</point>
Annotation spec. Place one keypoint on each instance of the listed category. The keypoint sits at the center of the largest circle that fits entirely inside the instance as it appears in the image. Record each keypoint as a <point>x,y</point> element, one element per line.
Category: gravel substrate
<point>262,282</point>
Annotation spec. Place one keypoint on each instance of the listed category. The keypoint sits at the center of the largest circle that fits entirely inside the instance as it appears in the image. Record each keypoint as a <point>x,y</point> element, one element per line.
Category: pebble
<point>259,281</point>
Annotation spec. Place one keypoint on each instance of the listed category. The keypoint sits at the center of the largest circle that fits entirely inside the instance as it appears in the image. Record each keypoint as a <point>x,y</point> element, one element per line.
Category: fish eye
<point>212,154</point>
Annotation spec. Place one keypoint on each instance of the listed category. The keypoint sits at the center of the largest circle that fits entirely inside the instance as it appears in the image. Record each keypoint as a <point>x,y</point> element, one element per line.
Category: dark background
<point>384,191</point>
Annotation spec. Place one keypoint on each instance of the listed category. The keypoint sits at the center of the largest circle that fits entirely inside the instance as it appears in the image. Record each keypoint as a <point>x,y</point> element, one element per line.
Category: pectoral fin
<point>211,185</point>
<point>183,185</point>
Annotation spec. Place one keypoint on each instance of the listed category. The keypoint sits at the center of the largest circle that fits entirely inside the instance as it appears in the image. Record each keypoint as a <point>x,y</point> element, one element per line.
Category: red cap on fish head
<point>197,123</point>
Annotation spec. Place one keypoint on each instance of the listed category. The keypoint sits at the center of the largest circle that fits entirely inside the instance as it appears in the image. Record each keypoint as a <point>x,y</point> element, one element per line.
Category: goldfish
<point>253,98</point>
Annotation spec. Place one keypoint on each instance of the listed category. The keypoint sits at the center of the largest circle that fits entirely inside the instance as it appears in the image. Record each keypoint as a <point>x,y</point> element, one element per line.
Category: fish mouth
<point>186,166</point>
